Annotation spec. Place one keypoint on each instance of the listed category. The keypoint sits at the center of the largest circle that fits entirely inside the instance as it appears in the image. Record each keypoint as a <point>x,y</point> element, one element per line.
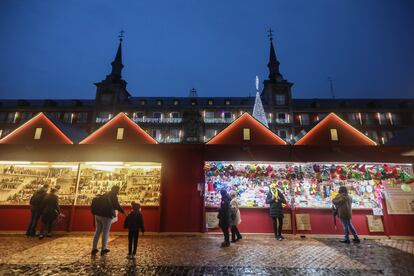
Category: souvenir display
<point>310,185</point>
<point>19,182</point>
<point>137,183</point>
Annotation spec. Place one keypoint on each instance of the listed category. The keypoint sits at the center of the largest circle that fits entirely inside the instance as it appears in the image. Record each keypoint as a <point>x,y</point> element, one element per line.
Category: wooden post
<point>73,209</point>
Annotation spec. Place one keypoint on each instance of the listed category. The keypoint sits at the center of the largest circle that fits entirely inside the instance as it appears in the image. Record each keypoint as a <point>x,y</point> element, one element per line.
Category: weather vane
<point>270,35</point>
<point>121,35</point>
<point>257,83</point>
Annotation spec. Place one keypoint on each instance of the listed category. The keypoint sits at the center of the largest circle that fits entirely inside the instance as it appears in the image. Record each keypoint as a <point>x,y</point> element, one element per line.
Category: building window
<point>103,117</point>
<point>176,102</point>
<point>38,133</point>
<point>227,115</point>
<point>209,114</point>
<point>193,102</point>
<point>320,116</point>
<point>210,102</point>
<point>304,119</point>
<point>334,134</point>
<point>382,119</point>
<point>142,102</point>
<point>55,115</point>
<point>367,118</point>
<point>159,102</point>
<point>3,116</point>
<point>138,115</point>
<point>1,133</point>
<point>12,117</point>
<point>282,133</point>
<point>353,118</point>
<point>120,133</point>
<point>68,117</point>
<point>175,115</point>
<point>227,102</point>
<point>26,116</point>
<point>246,134</point>
<point>82,117</point>
<point>175,133</point>
<point>157,115</point>
<point>386,135</point>
<point>280,99</point>
<point>156,133</point>
<point>394,118</point>
<point>372,134</point>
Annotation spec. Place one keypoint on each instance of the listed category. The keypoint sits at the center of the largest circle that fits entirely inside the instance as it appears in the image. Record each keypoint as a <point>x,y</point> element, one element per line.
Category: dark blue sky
<point>58,49</point>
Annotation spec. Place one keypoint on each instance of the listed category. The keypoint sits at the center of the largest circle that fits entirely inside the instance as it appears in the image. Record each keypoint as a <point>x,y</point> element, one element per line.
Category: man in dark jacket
<point>50,212</point>
<point>224,217</point>
<point>276,200</point>
<point>35,209</point>
<point>343,204</point>
<point>103,218</point>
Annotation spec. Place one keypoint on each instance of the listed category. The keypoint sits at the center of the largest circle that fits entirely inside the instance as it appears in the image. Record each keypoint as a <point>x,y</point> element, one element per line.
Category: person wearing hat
<point>134,222</point>
<point>235,217</point>
<point>276,200</point>
<point>343,205</point>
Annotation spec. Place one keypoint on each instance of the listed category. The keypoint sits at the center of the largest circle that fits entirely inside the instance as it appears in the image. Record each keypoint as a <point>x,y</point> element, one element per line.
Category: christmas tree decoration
<point>258,110</point>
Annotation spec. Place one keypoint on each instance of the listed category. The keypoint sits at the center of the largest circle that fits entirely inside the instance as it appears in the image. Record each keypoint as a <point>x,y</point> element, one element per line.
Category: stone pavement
<point>201,255</point>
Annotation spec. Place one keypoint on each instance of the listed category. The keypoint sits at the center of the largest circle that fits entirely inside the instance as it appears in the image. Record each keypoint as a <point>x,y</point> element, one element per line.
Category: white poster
<point>212,220</point>
<point>399,202</point>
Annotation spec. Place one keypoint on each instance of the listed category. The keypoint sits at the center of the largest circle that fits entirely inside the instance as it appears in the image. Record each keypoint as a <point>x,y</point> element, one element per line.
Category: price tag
<point>377,212</point>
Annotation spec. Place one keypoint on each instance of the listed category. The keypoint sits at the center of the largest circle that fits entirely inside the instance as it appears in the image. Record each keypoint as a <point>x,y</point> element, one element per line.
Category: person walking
<point>235,217</point>
<point>134,222</point>
<point>276,200</point>
<point>343,204</point>
<point>50,212</point>
<point>35,209</point>
<point>103,208</point>
<point>224,217</point>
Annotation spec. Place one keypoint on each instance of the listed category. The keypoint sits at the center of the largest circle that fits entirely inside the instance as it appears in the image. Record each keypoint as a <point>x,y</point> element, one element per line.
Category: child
<point>134,222</point>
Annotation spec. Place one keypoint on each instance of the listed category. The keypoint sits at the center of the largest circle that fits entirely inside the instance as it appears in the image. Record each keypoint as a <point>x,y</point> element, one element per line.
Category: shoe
<point>49,235</point>
<point>103,252</point>
<point>357,240</point>
<point>225,244</point>
<point>233,241</point>
<point>129,256</point>
<point>239,238</point>
<point>41,237</point>
<point>133,256</point>
<point>345,241</point>
<point>279,238</point>
<point>94,252</point>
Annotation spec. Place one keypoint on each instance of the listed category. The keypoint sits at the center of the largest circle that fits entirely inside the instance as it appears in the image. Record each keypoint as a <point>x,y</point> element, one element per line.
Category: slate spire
<point>273,65</point>
<point>117,63</point>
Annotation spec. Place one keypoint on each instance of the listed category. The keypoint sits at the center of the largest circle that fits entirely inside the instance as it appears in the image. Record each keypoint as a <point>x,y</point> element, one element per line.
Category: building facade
<point>196,119</point>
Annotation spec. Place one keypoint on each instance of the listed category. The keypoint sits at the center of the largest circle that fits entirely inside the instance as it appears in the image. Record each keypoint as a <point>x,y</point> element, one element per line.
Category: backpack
<point>37,198</point>
<point>98,204</point>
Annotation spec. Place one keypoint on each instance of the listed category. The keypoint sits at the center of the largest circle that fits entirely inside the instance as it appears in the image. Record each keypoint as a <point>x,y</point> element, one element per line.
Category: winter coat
<point>110,204</point>
<point>343,204</point>
<point>134,222</point>
<point>224,215</point>
<point>50,208</point>
<point>235,212</point>
<point>37,198</point>
<point>276,208</point>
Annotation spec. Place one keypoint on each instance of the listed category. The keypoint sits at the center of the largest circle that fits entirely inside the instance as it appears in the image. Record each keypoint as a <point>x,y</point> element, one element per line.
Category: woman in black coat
<point>276,200</point>
<point>50,212</point>
<point>224,217</point>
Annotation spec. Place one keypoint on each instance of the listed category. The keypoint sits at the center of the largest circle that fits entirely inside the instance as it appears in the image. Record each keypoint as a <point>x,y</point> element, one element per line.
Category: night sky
<point>58,49</point>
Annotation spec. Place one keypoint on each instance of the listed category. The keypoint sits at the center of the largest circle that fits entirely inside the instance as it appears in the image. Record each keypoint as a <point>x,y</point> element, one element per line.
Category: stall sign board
<point>398,201</point>
<point>375,223</point>
<point>287,223</point>
<point>212,220</point>
<point>303,222</point>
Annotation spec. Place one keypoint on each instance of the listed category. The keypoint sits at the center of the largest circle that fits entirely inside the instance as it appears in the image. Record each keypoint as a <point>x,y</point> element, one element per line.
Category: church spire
<point>117,63</point>
<point>273,65</point>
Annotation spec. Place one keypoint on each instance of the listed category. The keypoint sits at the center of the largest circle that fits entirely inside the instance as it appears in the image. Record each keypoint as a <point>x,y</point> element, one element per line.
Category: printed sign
<point>303,222</point>
<point>375,224</point>
<point>212,220</point>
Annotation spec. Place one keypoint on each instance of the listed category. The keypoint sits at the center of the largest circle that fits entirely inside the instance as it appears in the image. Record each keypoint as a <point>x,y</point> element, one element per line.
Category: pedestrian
<point>224,217</point>
<point>134,222</point>
<point>103,208</point>
<point>343,204</point>
<point>50,212</point>
<point>276,200</point>
<point>235,217</point>
<point>35,209</point>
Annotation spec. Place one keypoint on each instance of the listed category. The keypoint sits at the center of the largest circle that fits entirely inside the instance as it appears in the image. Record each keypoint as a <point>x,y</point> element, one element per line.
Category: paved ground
<point>201,255</point>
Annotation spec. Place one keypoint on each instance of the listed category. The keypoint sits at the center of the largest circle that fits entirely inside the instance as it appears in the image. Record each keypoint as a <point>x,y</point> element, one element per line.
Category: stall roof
<point>120,129</point>
<point>246,130</point>
<point>38,130</point>
<point>333,131</point>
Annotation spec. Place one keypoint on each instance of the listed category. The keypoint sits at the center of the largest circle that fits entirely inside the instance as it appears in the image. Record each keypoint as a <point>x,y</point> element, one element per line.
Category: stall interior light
<point>15,162</point>
<point>145,167</point>
<point>104,163</point>
<point>32,166</point>
<point>65,166</point>
<point>107,168</point>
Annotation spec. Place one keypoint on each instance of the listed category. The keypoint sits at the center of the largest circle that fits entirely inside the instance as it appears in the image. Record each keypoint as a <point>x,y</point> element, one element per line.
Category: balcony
<point>158,120</point>
<point>218,120</point>
<point>102,120</point>
<point>282,121</point>
<point>169,140</point>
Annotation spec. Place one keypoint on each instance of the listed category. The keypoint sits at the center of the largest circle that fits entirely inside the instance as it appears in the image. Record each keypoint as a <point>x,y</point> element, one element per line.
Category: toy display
<point>19,182</point>
<point>304,184</point>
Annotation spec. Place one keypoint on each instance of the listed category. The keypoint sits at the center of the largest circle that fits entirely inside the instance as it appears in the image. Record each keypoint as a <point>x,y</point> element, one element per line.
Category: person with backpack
<point>103,208</point>
<point>134,222</point>
<point>50,212</point>
<point>35,209</point>
<point>276,200</point>
<point>343,204</point>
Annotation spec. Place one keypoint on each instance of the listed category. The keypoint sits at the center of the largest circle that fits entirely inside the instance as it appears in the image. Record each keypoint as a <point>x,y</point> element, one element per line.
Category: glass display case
<point>19,180</point>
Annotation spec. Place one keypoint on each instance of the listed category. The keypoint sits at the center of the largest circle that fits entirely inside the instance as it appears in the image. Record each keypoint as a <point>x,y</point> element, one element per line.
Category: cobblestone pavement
<point>201,255</point>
